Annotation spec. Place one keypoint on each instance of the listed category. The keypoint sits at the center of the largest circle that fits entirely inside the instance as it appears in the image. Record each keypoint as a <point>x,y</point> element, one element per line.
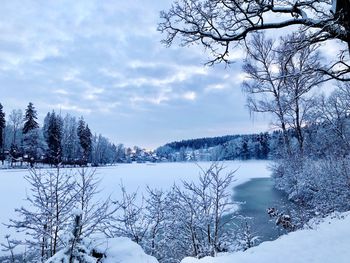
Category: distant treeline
<point>69,141</point>
<point>64,140</point>
<point>205,142</point>
<point>229,147</point>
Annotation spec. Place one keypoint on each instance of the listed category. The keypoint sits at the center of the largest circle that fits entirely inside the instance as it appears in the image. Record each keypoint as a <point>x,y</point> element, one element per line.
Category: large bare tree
<point>279,80</point>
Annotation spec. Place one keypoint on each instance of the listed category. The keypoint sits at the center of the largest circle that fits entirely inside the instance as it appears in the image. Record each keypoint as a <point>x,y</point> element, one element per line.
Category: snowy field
<point>135,177</point>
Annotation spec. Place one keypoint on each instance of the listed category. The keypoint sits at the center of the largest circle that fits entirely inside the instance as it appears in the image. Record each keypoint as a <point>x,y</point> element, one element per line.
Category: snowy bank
<point>327,242</point>
<point>112,250</point>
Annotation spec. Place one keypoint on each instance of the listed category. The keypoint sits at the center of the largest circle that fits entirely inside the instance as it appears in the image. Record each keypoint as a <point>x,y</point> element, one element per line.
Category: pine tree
<point>30,118</point>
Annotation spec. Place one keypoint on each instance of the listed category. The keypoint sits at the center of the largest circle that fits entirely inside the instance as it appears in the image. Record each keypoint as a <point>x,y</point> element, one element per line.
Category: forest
<point>60,140</point>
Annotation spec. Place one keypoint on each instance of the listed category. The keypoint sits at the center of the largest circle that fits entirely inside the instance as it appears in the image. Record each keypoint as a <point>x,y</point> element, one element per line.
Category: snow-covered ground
<point>326,242</point>
<point>115,250</point>
<point>123,250</point>
<point>135,177</point>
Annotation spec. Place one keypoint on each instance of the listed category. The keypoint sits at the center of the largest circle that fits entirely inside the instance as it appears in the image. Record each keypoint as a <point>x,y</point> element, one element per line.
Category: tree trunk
<point>343,13</point>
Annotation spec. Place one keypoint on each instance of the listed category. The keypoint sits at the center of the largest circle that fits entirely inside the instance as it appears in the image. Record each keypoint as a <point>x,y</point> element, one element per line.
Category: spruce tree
<point>53,136</point>
<point>30,132</point>
<point>30,118</point>
<point>85,138</point>
<point>81,128</point>
<point>87,141</point>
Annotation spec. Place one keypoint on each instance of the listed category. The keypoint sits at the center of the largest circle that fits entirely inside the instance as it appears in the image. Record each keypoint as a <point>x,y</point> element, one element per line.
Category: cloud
<point>190,95</point>
<point>104,59</point>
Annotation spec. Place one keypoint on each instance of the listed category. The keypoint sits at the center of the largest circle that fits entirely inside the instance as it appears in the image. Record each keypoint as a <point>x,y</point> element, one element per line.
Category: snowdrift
<point>326,242</point>
<point>123,250</point>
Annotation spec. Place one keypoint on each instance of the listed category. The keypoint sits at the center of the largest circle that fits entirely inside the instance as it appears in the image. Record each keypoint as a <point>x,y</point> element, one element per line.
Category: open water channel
<point>255,197</point>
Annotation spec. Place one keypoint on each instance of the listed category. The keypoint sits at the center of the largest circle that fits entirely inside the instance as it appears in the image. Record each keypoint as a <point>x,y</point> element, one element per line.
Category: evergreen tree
<point>53,136</point>
<point>85,138</point>
<point>46,125</point>
<point>81,127</point>
<point>30,118</point>
<point>30,132</point>
<point>70,140</point>
<point>87,142</point>
<point>2,126</point>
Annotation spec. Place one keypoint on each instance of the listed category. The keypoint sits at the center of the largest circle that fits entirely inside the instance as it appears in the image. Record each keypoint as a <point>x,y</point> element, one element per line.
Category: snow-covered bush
<point>190,216</point>
<point>75,250</point>
<point>318,185</point>
<point>55,195</point>
<point>185,221</point>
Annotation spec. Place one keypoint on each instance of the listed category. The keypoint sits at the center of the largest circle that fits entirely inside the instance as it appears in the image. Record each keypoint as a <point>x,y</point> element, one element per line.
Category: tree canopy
<point>220,24</point>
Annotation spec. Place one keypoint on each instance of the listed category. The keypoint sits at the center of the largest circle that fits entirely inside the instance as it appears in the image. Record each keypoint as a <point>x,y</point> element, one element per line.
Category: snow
<point>123,250</point>
<point>114,250</point>
<point>135,177</point>
<point>326,242</point>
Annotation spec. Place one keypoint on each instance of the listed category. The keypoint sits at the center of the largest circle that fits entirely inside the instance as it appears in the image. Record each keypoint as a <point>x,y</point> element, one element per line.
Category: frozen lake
<point>135,177</point>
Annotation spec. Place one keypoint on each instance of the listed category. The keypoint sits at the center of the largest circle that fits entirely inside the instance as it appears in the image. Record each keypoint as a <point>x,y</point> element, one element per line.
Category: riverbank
<point>327,241</point>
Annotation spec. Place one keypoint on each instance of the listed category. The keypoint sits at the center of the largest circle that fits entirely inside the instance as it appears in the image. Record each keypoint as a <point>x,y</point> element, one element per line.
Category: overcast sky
<point>104,60</point>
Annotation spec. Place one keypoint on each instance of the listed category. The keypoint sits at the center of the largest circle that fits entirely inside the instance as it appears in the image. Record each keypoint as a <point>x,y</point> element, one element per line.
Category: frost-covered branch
<point>219,25</point>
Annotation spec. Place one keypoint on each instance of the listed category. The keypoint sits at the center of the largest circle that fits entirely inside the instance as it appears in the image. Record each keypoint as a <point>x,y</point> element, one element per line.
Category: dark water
<point>255,197</point>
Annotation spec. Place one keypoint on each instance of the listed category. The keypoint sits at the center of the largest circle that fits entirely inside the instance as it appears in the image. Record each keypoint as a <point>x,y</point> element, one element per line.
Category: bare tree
<point>95,213</point>
<point>220,24</point>
<point>200,211</point>
<point>49,206</point>
<point>129,220</point>
<point>301,76</point>
<point>334,111</point>
<point>279,80</point>
<point>16,120</point>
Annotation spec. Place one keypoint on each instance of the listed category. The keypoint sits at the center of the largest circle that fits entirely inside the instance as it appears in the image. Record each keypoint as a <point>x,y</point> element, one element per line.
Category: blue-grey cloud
<point>104,60</point>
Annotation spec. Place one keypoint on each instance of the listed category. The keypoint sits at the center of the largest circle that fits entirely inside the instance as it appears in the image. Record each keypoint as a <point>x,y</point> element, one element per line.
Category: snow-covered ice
<point>327,242</point>
<point>135,177</point>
